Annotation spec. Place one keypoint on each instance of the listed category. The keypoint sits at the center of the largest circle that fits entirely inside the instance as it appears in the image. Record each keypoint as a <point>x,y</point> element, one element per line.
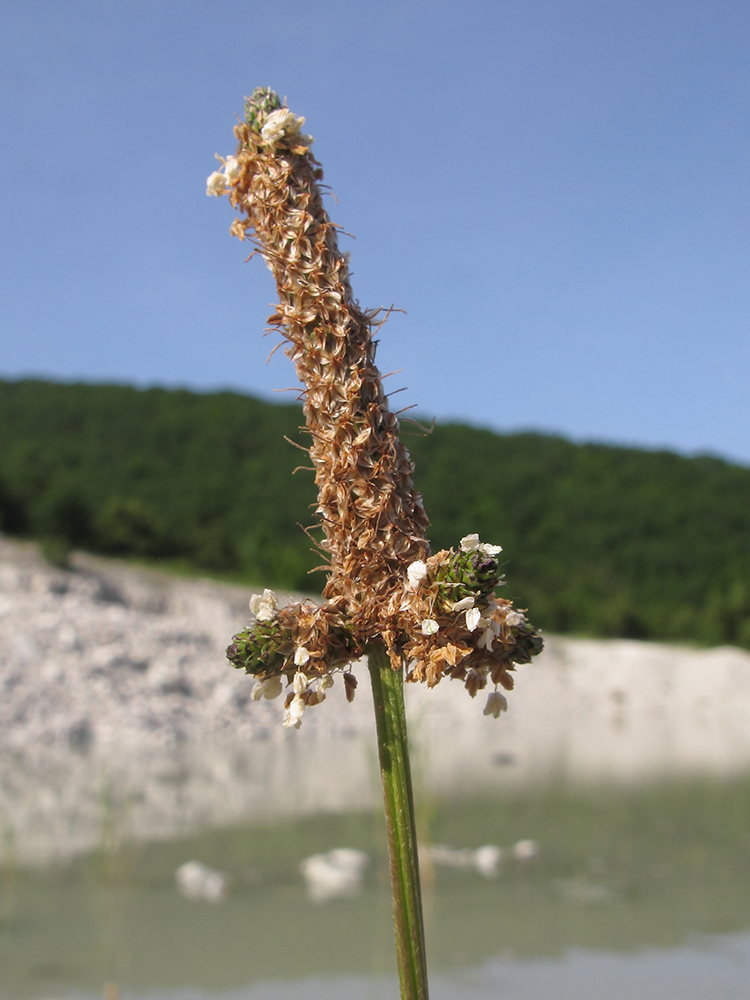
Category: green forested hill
<point>598,540</point>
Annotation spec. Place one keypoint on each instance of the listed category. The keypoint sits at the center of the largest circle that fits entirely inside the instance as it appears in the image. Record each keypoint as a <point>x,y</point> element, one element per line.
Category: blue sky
<point>556,192</point>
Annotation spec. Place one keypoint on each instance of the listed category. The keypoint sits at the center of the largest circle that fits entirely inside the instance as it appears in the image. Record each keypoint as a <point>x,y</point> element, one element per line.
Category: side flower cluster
<point>459,628</point>
<point>301,644</point>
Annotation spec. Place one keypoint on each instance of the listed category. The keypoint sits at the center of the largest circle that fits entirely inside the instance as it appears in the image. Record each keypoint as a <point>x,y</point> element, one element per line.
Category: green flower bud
<point>262,649</point>
<point>259,105</point>
<point>469,574</point>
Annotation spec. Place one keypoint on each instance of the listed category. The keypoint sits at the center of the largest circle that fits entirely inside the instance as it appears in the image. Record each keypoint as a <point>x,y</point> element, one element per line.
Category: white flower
<point>216,184</point>
<point>490,550</point>
<point>429,626</point>
<point>325,682</point>
<point>496,703</point>
<point>232,169</point>
<point>473,616</point>
<point>269,688</point>
<point>514,617</point>
<point>279,124</point>
<point>293,715</point>
<point>467,602</point>
<point>471,543</point>
<point>416,572</point>
<point>300,683</point>
<point>301,656</point>
<point>263,606</point>
<point>488,636</point>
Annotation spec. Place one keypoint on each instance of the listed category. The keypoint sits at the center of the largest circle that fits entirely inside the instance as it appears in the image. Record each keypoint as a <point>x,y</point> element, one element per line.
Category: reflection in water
<point>630,875</point>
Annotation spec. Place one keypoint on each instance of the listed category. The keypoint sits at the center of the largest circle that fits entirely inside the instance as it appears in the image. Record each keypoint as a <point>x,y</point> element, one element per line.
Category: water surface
<point>641,891</point>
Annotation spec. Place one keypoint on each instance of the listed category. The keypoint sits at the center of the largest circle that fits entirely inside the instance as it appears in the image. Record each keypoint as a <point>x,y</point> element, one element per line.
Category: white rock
<point>198,882</point>
<point>447,857</point>
<point>335,875</point>
<point>488,859</point>
<point>525,850</point>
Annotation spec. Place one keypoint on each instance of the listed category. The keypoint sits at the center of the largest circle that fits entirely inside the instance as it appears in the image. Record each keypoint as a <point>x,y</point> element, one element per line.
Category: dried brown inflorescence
<point>372,518</point>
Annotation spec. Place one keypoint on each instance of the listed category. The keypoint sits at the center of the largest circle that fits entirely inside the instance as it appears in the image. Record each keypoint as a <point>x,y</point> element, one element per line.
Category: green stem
<point>393,750</point>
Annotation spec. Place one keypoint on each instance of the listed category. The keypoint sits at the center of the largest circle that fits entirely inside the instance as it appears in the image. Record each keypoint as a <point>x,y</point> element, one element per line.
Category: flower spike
<point>438,613</point>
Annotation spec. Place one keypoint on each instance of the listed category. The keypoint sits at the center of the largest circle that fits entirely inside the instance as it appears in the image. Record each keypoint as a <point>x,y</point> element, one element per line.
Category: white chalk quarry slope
<point>118,710</point>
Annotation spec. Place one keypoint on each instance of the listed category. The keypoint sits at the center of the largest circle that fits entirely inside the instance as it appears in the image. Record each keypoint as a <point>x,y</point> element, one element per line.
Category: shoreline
<point>117,700</point>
